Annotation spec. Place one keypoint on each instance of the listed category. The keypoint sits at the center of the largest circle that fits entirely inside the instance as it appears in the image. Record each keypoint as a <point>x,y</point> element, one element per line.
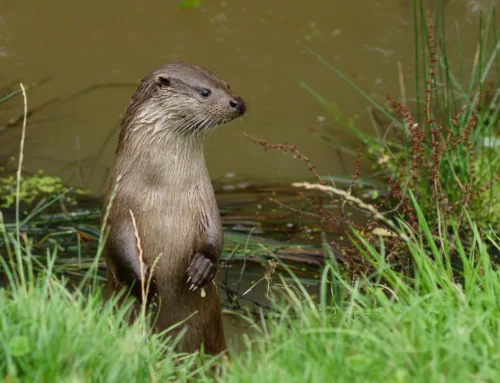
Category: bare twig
<point>18,183</point>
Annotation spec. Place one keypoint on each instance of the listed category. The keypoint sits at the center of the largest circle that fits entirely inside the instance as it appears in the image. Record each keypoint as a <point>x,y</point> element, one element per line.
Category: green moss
<point>34,187</point>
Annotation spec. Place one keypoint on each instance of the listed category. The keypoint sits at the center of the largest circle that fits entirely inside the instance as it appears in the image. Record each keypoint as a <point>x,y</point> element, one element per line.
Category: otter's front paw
<point>201,271</point>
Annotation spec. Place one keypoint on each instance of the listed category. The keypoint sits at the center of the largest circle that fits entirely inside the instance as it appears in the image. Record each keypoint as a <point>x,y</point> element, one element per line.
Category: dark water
<point>252,44</point>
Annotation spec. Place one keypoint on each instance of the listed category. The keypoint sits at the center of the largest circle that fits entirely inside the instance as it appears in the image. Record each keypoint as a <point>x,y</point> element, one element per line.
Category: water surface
<point>252,44</point>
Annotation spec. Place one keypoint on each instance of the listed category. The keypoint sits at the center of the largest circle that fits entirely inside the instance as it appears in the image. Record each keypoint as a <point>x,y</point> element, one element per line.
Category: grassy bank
<point>51,335</point>
<point>444,333</point>
<point>440,325</point>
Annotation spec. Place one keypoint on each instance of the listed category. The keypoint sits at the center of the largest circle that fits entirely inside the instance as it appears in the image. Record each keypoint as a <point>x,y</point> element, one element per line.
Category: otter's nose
<point>238,104</point>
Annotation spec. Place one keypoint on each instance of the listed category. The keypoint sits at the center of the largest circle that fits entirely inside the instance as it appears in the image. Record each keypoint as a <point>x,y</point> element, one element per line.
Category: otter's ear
<point>162,81</point>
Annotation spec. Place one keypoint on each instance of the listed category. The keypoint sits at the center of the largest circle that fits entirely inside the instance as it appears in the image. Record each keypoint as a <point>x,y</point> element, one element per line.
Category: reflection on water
<point>251,44</point>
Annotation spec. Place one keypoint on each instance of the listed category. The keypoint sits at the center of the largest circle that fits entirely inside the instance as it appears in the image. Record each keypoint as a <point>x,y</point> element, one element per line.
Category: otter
<point>164,224</point>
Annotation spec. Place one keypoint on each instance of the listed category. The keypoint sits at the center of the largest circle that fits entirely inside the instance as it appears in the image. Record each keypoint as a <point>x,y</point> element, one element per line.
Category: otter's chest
<point>187,210</point>
<point>177,222</point>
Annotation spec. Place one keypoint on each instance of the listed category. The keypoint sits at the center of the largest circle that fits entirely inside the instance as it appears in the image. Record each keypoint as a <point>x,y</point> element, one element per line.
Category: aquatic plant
<point>35,187</point>
<point>447,151</point>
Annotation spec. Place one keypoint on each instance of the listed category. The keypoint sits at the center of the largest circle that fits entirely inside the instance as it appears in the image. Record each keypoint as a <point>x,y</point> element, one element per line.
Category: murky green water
<point>252,44</point>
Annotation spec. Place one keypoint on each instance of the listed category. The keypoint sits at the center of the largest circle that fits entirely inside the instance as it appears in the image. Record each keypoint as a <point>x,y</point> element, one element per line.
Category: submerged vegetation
<point>411,294</point>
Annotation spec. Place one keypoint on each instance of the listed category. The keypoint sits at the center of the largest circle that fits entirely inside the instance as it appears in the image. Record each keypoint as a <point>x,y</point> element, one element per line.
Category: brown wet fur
<point>160,175</point>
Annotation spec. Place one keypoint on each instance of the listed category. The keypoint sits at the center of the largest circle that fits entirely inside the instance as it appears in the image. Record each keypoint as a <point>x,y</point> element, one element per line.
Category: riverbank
<point>438,325</point>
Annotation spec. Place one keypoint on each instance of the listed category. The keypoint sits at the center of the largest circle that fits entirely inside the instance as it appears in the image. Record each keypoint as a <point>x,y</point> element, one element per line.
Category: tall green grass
<point>49,334</point>
<point>441,324</point>
<point>430,328</point>
<point>452,154</point>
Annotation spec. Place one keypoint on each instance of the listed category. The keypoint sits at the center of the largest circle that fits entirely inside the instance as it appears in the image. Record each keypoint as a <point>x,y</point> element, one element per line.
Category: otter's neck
<point>159,159</point>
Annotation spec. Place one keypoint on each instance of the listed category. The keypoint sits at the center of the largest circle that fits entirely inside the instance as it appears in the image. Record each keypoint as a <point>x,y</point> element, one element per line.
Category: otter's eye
<point>205,92</point>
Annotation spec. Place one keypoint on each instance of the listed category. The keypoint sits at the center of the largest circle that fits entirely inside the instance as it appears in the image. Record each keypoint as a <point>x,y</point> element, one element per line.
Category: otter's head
<point>184,98</point>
